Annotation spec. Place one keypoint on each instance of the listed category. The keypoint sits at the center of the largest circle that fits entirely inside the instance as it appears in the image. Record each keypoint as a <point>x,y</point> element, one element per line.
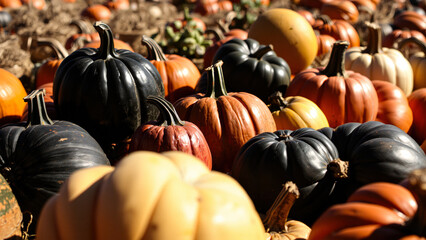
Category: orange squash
<point>11,97</point>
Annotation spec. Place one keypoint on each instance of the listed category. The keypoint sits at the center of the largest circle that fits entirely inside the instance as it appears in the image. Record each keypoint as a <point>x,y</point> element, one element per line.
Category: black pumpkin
<point>304,156</point>
<point>37,156</point>
<point>5,19</point>
<point>375,152</point>
<point>250,67</point>
<point>104,90</point>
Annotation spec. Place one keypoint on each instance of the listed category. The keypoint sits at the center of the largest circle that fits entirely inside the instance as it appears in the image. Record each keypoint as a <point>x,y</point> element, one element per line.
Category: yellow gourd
<point>149,195</point>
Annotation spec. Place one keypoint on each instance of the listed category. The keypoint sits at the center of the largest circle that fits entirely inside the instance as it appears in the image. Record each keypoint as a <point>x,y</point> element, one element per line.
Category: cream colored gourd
<point>149,195</point>
<point>379,63</point>
<point>417,61</point>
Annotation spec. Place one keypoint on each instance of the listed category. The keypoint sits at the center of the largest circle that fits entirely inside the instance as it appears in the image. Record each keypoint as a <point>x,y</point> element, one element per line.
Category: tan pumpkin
<point>296,112</point>
<point>380,63</point>
<point>393,105</point>
<point>150,195</point>
<point>417,61</point>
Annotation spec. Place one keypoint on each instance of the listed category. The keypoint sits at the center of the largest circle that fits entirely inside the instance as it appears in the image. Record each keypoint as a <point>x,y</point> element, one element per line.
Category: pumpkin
<point>227,120</point>
<point>179,74</point>
<point>290,34</point>
<point>377,211</point>
<point>250,67</point>
<point>105,93</point>
<point>209,7</point>
<point>117,4</point>
<point>149,195</point>
<point>411,20</point>
<point>342,9</point>
<point>393,105</point>
<point>342,95</point>
<point>85,35</point>
<point>375,152</point>
<point>37,4</point>
<point>376,62</point>
<point>46,72</point>
<point>12,93</point>
<point>296,112</point>
<point>309,16</point>
<point>417,102</point>
<point>10,213</point>
<point>97,12</point>
<point>275,221</point>
<point>325,44</point>
<point>169,133</point>
<point>417,61</point>
<point>392,40</point>
<point>13,4</point>
<point>368,5</point>
<point>219,39</point>
<point>40,154</point>
<point>338,29</point>
<point>304,156</point>
<point>314,3</point>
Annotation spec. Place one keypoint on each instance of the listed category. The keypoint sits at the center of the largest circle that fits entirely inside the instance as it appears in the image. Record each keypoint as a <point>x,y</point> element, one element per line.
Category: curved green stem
<point>106,50</point>
<point>168,112</point>
<point>37,113</point>
<point>215,81</point>
<point>154,50</point>
<point>336,64</point>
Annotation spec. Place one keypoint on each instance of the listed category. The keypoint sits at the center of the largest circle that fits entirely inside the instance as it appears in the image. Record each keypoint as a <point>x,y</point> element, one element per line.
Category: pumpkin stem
<point>417,184</point>
<point>339,168</point>
<point>336,64</point>
<point>58,49</point>
<point>325,19</point>
<point>216,32</point>
<point>413,40</point>
<point>215,81</point>
<point>374,43</point>
<point>262,51</point>
<point>81,25</point>
<point>154,50</point>
<point>276,216</point>
<point>168,112</point>
<point>37,114</point>
<point>106,50</point>
<point>277,101</point>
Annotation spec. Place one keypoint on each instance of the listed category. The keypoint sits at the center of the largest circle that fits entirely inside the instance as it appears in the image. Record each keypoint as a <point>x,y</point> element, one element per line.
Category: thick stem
<point>262,51</point>
<point>374,44</point>
<point>417,184</point>
<point>81,25</point>
<point>325,19</point>
<point>336,64</point>
<point>37,114</point>
<point>58,49</point>
<point>106,50</point>
<point>154,50</point>
<point>276,216</point>
<point>215,81</point>
<point>216,32</point>
<point>168,112</point>
<point>277,101</point>
<point>413,40</point>
<point>338,168</point>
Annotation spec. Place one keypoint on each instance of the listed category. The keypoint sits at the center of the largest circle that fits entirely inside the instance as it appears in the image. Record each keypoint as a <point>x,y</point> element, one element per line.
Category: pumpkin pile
<point>212,119</point>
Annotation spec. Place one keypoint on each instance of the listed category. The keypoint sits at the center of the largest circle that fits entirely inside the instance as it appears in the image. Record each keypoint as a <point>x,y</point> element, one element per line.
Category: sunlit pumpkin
<point>12,93</point>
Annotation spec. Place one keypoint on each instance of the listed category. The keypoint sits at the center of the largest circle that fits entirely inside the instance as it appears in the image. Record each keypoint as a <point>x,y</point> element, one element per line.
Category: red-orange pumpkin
<point>339,29</point>
<point>11,97</point>
<point>97,12</point>
<point>344,10</point>
<point>227,120</point>
<point>343,96</point>
<point>417,101</point>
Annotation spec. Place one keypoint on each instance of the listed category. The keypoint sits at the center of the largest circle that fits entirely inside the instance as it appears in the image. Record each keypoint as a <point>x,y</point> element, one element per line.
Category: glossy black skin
<point>245,72</point>
<point>5,19</point>
<point>104,91</point>
<point>38,159</point>
<point>376,152</point>
<point>270,159</point>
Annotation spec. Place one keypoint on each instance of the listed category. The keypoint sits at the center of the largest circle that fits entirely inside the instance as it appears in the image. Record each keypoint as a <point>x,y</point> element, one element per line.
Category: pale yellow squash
<point>149,195</point>
<point>296,112</point>
<point>417,61</point>
<point>379,63</point>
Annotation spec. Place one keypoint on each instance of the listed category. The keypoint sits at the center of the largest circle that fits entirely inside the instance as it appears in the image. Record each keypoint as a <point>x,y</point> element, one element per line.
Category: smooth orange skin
<point>393,105</point>
<point>97,12</point>
<point>12,93</point>
<point>344,10</point>
<point>10,3</point>
<point>417,102</point>
<point>46,72</point>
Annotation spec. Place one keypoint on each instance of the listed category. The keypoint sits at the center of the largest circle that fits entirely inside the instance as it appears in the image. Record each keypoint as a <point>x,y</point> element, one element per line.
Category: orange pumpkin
<point>417,102</point>
<point>339,29</point>
<point>10,3</point>
<point>397,35</point>
<point>97,12</point>
<point>343,96</point>
<point>344,10</point>
<point>117,4</point>
<point>208,7</point>
<point>46,72</point>
<point>325,44</point>
<point>378,211</point>
<point>179,74</point>
<point>37,4</point>
<point>48,100</point>
<point>11,97</point>
<point>393,105</point>
<point>227,120</point>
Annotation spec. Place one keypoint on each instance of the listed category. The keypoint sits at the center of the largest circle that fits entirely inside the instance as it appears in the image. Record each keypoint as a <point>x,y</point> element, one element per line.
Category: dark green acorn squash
<point>304,156</point>
<point>37,156</point>
<point>250,67</point>
<point>375,152</point>
<point>104,90</point>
